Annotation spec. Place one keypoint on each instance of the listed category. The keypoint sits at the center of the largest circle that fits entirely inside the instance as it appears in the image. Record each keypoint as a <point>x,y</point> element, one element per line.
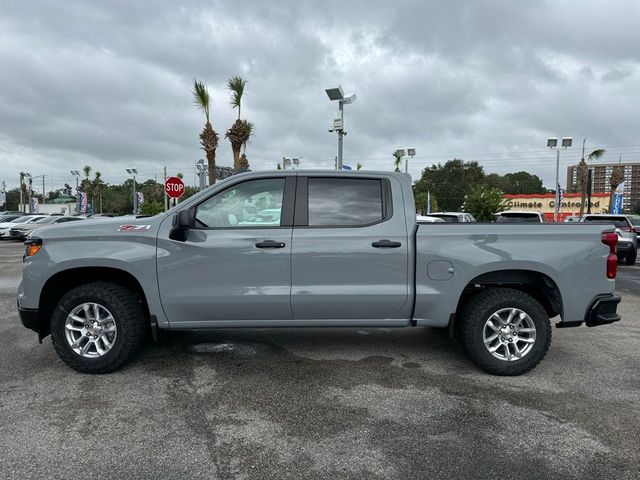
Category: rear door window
<point>348,202</point>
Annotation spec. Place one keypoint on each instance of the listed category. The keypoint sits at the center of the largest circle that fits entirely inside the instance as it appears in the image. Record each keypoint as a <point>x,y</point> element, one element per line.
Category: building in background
<point>600,181</point>
<point>545,203</point>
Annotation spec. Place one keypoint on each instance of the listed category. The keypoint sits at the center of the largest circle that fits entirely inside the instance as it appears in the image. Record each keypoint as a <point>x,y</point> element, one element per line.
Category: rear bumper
<point>601,311</point>
<point>625,247</point>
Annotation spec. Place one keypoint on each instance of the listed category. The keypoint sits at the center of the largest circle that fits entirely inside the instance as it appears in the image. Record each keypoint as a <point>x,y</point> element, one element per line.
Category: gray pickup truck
<point>313,249</point>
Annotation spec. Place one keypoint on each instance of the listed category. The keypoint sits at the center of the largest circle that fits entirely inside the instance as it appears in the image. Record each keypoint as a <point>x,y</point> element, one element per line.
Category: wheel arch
<point>537,284</point>
<point>62,282</point>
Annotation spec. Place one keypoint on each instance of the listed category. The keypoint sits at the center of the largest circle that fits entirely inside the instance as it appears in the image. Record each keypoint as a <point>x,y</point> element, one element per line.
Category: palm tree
<point>97,189</point>
<point>583,173</point>
<point>239,132</point>
<point>208,137</point>
<point>616,178</point>
<point>236,86</point>
<point>243,162</point>
<point>398,160</point>
<point>86,184</point>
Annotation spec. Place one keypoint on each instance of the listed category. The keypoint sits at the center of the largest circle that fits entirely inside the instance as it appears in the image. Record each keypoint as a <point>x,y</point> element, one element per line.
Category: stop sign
<point>174,187</point>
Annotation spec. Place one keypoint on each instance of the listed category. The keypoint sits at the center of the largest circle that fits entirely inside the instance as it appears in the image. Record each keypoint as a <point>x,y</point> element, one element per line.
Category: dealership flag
<point>3,198</point>
<point>428,202</point>
<point>559,196</point>
<point>35,206</point>
<point>82,202</point>
<point>139,201</point>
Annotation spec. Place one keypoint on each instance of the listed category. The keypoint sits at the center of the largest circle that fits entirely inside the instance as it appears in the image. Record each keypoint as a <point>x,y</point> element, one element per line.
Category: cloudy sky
<point>107,83</point>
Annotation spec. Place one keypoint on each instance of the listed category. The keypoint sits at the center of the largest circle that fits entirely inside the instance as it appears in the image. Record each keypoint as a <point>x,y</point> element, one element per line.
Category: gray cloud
<point>108,83</point>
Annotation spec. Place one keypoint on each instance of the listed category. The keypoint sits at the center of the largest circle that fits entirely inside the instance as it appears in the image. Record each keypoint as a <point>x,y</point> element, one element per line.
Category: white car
<point>428,219</point>
<point>453,217</point>
<point>519,216</point>
<point>6,226</point>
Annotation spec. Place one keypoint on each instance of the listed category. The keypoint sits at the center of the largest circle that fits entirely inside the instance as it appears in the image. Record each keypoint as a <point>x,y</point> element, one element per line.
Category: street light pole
<point>336,93</point>
<point>552,143</point>
<point>133,172</point>
<point>341,133</point>
<point>76,173</point>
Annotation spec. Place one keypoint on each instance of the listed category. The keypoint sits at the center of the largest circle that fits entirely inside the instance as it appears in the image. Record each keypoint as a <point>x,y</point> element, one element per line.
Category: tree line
<point>451,182</point>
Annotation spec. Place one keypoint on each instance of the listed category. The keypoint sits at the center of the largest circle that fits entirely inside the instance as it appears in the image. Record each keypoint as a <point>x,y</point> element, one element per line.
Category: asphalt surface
<point>321,403</point>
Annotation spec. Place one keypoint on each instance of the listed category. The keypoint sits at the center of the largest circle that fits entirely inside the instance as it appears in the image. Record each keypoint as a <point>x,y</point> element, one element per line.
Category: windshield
<point>634,219</point>
<point>46,220</point>
<point>619,222</point>
<point>446,218</point>
<point>518,218</point>
<point>22,220</point>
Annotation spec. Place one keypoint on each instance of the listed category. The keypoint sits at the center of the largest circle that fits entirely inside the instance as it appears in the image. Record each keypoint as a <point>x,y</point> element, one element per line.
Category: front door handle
<point>386,244</point>
<point>270,244</point>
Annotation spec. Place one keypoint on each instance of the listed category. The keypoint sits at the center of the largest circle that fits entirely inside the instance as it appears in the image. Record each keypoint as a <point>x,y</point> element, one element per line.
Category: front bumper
<point>30,318</point>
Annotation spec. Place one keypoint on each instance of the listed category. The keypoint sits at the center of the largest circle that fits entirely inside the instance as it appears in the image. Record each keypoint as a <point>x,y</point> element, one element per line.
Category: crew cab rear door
<point>350,253</point>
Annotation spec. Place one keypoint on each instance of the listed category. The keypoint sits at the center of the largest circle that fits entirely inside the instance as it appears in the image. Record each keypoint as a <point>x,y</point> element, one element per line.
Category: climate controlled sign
<point>174,187</point>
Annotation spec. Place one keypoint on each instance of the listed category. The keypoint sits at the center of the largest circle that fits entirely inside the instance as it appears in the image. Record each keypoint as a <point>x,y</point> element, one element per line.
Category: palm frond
<point>201,97</point>
<point>596,154</point>
<point>236,86</point>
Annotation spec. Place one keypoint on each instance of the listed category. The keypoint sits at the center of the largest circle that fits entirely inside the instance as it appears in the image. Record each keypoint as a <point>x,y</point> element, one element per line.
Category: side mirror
<point>181,223</point>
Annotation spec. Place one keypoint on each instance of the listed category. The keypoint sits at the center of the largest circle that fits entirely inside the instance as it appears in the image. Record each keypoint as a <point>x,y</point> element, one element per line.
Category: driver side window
<point>255,203</point>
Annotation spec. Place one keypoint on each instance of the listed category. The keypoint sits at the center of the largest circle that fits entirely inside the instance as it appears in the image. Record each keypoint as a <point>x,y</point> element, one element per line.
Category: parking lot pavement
<point>320,403</point>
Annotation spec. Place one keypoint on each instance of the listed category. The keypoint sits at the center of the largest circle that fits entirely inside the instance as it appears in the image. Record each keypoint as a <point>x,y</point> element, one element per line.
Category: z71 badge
<point>133,228</point>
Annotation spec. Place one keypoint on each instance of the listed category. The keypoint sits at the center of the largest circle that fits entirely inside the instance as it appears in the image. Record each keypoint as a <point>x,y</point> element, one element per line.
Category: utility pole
<point>166,203</point>
<point>29,193</point>
<point>22,208</point>
<point>341,133</point>
<point>44,194</point>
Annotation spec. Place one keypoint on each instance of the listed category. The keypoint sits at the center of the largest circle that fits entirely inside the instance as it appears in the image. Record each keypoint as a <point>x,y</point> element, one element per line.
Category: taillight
<point>611,240</point>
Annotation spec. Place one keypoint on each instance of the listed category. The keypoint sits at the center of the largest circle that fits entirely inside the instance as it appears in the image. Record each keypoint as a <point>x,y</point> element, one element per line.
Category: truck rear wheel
<point>505,331</point>
<point>97,327</point>
<point>630,258</point>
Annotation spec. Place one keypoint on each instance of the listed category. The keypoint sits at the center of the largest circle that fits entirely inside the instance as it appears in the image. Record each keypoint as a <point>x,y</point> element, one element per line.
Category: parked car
<point>11,212</point>
<point>8,218</point>
<point>6,226</point>
<point>428,219</point>
<point>453,217</point>
<point>22,231</point>
<point>635,221</point>
<point>628,238</point>
<point>516,216</point>
<point>347,252</point>
<point>572,219</point>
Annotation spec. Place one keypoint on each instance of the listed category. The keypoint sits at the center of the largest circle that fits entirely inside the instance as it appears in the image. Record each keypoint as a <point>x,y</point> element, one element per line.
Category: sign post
<point>174,187</point>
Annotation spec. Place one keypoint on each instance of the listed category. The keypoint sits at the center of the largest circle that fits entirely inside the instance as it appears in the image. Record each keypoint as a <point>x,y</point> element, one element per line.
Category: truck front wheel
<point>505,331</point>
<point>97,327</point>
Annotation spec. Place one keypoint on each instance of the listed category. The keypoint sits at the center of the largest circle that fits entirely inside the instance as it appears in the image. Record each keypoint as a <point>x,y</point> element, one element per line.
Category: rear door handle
<point>386,244</point>
<point>270,244</point>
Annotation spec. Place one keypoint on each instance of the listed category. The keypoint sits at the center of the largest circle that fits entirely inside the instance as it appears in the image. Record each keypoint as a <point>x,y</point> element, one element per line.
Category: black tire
<point>630,258</point>
<point>477,311</point>
<point>129,317</point>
